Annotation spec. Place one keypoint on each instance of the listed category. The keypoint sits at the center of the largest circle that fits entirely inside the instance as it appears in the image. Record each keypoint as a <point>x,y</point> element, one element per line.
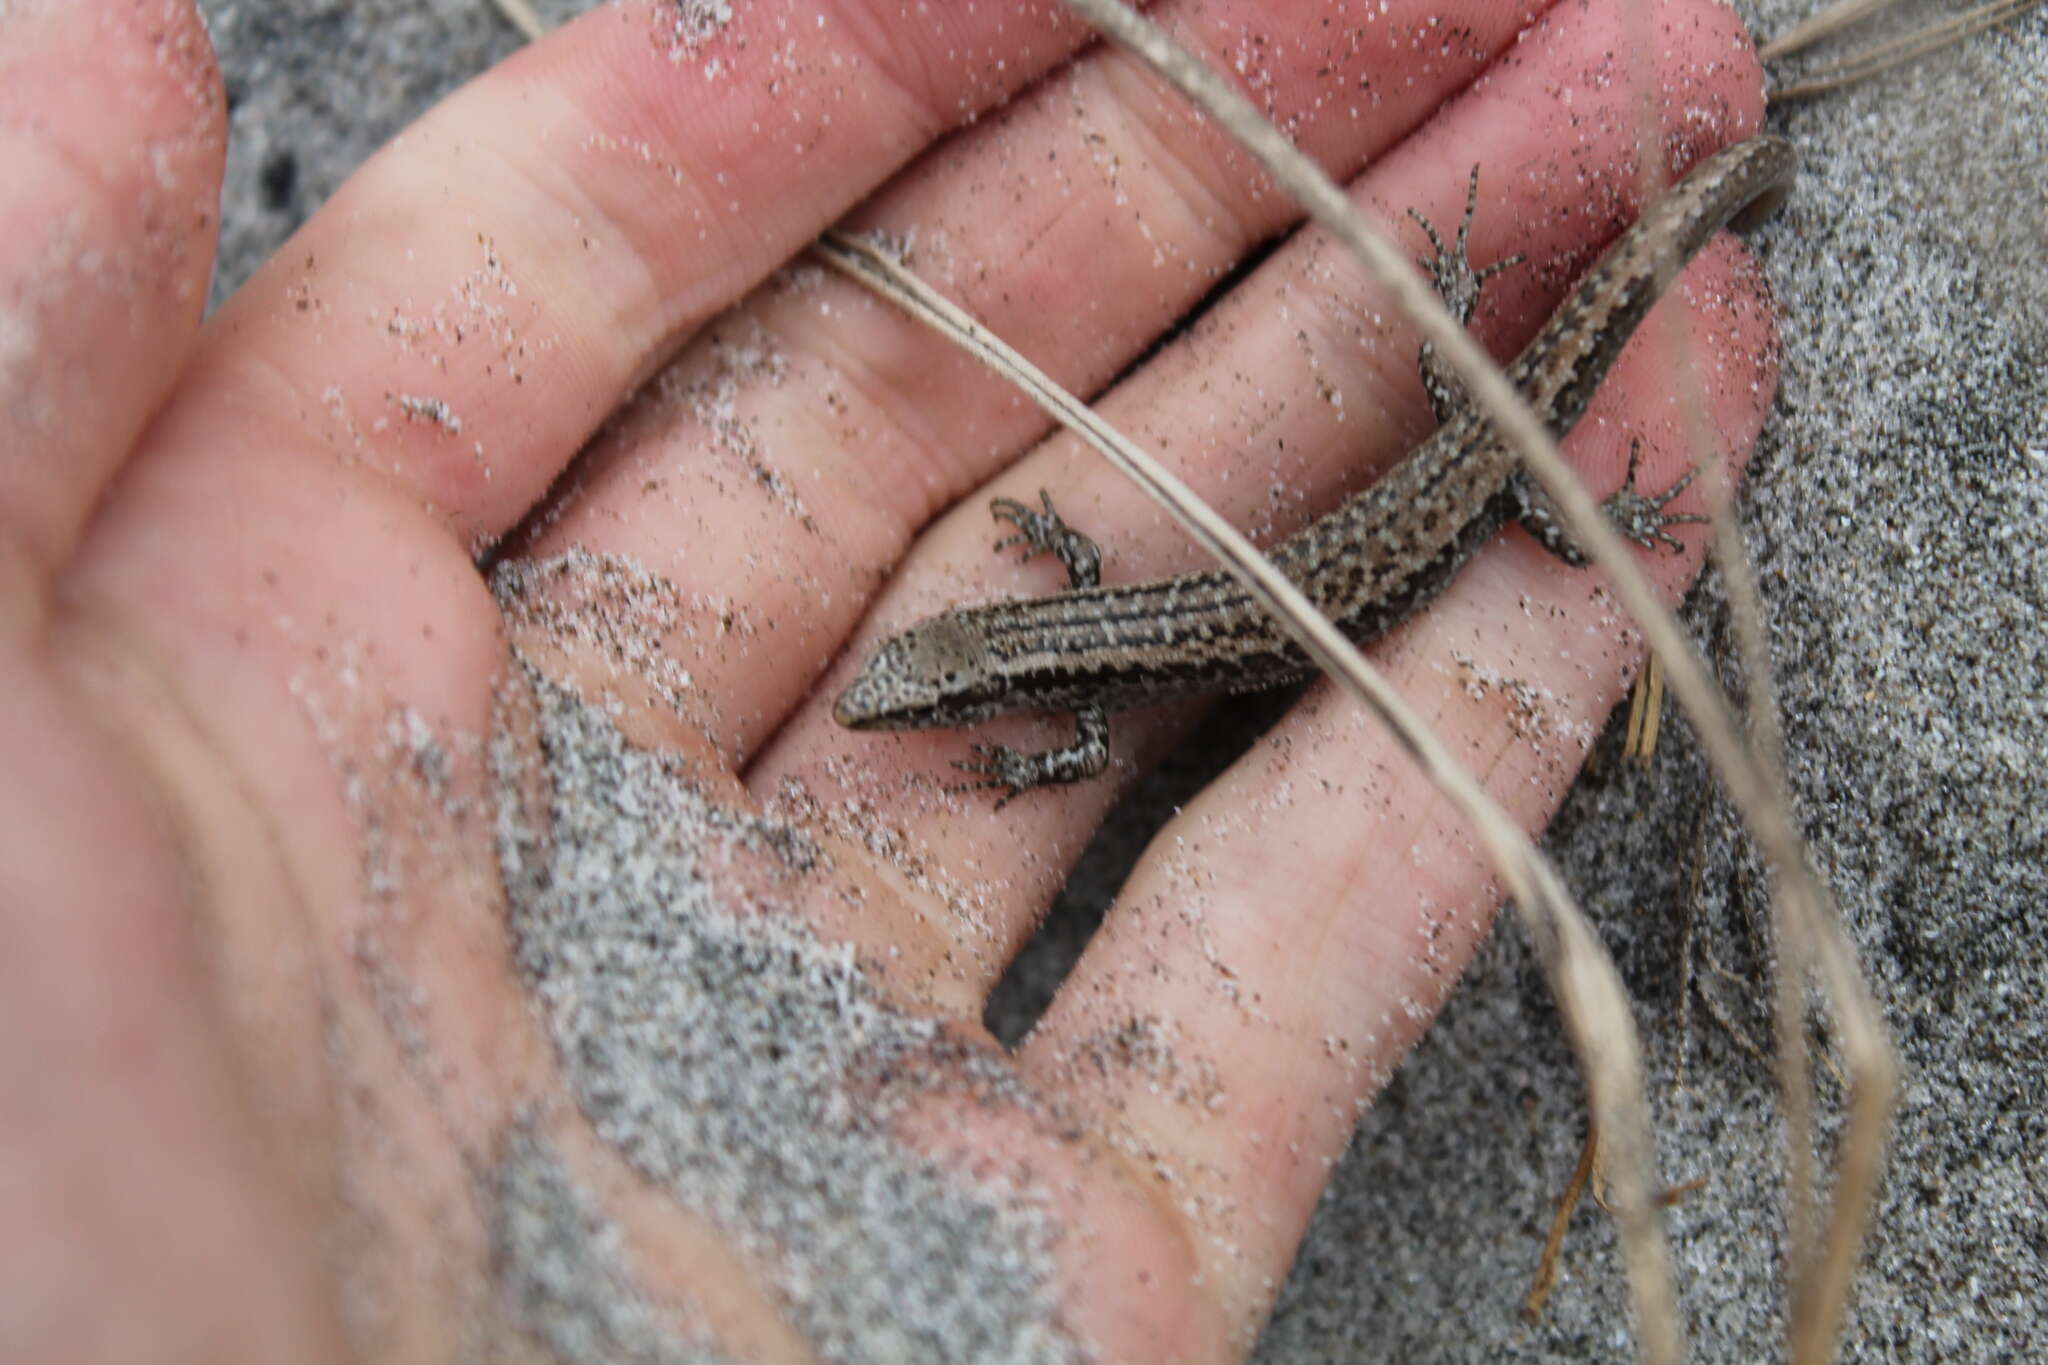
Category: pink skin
<point>203,531</point>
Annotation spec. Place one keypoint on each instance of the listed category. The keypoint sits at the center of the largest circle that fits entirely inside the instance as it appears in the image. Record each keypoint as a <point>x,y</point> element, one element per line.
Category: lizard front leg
<point>1014,771</point>
<point>1451,274</point>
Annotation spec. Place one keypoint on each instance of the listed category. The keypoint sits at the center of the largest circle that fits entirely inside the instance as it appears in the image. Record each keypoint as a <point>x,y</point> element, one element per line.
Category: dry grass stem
<point>1884,56</point>
<point>523,17</point>
<point>1645,712</point>
<point>1560,1223</point>
<point>1829,21</point>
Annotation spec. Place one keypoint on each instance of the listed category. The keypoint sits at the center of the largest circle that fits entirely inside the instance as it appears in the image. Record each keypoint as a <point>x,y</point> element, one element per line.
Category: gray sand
<point>563,1274</point>
<point>1896,513</point>
<point>738,1062</point>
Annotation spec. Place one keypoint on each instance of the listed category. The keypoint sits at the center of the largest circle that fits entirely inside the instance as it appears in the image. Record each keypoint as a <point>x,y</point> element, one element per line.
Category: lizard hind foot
<point>1635,515</point>
<point>1641,516</point>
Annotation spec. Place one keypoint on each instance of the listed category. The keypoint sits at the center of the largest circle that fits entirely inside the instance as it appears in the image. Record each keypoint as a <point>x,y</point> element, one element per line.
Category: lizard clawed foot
<point>1458,285</point>
<point>1641,517</point>
<point>1047,532</point>
<point>1016,772</point>
<point>1001,768</point>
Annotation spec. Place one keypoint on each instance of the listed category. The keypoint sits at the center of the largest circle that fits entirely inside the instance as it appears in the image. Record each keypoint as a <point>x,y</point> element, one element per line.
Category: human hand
<point>397,967</point>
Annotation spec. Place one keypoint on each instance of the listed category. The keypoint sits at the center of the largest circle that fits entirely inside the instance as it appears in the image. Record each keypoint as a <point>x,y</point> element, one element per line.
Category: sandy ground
<point>1896,513</point>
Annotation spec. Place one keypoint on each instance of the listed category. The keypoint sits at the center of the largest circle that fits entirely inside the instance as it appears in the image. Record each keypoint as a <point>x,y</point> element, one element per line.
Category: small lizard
<point>1368,565</point>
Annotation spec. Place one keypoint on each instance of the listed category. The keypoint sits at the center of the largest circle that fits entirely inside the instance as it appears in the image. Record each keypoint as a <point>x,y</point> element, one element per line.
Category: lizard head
<point>930,676</point>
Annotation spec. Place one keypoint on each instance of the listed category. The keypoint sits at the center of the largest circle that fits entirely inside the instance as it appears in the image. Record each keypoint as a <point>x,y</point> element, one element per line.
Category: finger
<point>1298,365</point>
<point>481,294</point>
<point>280,556</point>
<point>1290,935</point>
<point>787,459</point>
<point>112,133</point>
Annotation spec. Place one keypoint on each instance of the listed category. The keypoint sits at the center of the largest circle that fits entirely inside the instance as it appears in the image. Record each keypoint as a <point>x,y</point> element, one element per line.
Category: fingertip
<point>113,127</point>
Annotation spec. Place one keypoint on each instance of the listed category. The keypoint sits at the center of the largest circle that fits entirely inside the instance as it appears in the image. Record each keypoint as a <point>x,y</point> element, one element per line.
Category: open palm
<point>439,916</point>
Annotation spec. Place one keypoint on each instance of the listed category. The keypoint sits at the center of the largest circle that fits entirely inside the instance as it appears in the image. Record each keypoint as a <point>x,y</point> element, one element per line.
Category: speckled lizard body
<point>1368,565</point>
